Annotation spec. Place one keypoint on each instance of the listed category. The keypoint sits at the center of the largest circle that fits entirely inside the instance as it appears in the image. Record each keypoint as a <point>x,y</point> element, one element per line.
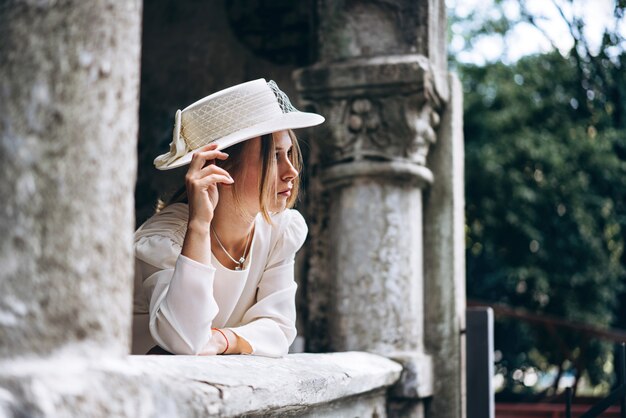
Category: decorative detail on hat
<point>283,100</point>
<point>178,147</point>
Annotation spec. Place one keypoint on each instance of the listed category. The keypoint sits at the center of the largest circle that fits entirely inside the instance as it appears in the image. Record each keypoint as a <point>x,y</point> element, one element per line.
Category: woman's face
<point>285,173</point>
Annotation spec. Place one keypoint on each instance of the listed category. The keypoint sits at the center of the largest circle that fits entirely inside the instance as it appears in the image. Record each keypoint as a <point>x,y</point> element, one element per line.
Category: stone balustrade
<point>334,384</point>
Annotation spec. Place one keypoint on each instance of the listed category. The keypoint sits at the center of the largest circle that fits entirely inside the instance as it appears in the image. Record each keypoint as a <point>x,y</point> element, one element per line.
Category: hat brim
<point>292,120</point>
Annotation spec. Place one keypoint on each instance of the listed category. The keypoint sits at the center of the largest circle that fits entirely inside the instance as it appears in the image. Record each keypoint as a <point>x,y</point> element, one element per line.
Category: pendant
<point>238,267</point>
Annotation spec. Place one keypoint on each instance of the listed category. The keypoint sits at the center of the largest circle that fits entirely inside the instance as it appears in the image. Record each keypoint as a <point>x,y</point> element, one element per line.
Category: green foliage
<point>545,190</point>
<point>545,187</point>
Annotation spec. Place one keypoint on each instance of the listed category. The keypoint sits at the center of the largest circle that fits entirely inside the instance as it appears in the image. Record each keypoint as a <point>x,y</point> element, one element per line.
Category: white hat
<point>230,116</point>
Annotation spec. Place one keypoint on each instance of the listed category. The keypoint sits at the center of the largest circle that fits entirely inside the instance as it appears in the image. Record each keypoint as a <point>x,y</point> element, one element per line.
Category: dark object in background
<point>158,351</point>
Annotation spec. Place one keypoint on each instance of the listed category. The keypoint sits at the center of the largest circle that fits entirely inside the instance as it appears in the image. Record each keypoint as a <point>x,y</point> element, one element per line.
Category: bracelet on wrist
<point>223,335</point>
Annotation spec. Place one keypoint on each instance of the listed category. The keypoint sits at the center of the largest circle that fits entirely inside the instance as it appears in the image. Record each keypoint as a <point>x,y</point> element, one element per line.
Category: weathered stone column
<point>444,261</point>
<point>381,81</point>
<point>68,129</point>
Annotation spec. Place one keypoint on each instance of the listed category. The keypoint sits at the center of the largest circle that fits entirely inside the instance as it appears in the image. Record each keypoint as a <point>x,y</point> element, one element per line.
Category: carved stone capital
<point>377,109</point>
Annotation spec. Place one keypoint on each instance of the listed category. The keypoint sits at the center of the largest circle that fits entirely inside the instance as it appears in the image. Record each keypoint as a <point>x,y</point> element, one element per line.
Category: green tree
<point>546,195</point>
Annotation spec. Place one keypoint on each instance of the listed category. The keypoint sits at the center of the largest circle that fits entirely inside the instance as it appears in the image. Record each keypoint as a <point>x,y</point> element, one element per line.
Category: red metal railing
<point>547,410</point>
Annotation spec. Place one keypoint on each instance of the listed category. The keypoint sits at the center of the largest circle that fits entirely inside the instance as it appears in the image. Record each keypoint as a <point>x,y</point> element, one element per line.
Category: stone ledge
<point>169,386</point>
<point>371,75</point>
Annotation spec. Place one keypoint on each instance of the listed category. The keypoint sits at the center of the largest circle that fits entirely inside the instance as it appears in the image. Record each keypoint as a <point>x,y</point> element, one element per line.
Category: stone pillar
<point>381,82</point>
<point>68,129</point>
<point>444,256</point>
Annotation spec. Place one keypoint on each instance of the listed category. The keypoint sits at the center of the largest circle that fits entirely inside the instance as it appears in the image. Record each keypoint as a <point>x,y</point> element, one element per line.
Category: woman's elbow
<point>285,343</point>
<point>171,340</point>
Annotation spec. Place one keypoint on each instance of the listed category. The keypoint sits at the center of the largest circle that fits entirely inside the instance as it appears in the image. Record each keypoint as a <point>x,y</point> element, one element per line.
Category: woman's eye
<point>287,154</point>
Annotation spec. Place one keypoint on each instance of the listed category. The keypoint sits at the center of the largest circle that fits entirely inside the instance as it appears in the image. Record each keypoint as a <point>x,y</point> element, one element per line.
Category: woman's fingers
<point>207,171</point>
<point>218,178</point>
<point>204,154</point>
<point>213,169</point>
<point>211,179</point>
<point>196,161</point>
<point>210,146</point>
<point>213,155</point>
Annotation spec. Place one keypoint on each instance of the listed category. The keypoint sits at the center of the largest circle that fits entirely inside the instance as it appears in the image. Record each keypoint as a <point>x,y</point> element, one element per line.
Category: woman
<point>214,271</point>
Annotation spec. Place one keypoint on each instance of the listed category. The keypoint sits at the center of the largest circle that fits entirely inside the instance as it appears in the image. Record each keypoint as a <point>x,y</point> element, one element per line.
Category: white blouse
<point>178,300</point>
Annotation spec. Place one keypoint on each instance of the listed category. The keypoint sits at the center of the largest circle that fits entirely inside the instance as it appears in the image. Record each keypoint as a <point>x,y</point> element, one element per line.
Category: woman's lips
<point>285,193</point>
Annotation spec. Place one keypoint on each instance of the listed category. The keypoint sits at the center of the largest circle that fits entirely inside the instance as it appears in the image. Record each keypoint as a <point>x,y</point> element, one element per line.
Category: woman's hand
<point>201,183</point>
<point>217,344</point>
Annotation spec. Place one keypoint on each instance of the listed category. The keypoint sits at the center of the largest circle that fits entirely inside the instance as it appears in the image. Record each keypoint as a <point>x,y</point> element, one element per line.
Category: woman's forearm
<point>197,243</point>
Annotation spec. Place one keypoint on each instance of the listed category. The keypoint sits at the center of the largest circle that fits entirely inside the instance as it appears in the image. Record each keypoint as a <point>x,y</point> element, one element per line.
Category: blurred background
<point>545,140</point>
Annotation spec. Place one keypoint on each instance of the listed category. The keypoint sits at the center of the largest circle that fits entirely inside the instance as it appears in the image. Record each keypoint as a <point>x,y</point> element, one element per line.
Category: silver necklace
<point>239,264</point>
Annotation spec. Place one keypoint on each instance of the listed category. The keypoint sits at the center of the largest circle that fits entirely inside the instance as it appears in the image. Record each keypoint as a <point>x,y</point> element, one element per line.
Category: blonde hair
<point>267,178</point>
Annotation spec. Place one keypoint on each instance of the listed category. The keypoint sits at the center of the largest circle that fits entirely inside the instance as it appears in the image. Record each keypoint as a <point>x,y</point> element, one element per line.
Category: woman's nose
<point>289,171</point>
